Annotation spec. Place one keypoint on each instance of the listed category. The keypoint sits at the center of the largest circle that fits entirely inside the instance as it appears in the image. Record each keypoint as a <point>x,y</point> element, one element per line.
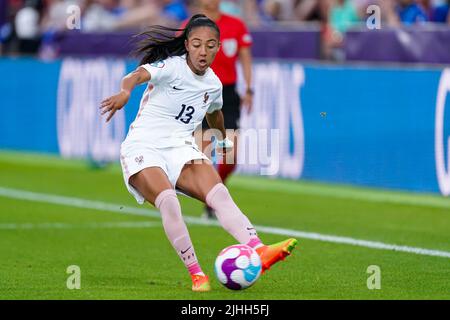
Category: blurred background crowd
<point>24,24</point>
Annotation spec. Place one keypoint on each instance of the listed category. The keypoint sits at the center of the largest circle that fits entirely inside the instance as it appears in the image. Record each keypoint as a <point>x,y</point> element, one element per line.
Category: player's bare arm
<point>119,100</point>
<point>245,57</point>
<point>216,121</point>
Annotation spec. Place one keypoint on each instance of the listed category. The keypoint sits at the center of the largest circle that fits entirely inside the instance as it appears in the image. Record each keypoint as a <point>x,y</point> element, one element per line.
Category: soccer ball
<point>238,267</point>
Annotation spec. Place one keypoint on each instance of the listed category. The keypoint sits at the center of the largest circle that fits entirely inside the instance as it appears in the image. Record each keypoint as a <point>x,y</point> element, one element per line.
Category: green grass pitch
<point>127,256</point>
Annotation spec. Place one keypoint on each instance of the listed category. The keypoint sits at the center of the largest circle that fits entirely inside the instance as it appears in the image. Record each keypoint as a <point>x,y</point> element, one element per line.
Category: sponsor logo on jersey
<point>205,97</point>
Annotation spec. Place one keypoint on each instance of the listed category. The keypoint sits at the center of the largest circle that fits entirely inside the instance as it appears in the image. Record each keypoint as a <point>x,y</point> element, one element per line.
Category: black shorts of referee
<point>231,108</point>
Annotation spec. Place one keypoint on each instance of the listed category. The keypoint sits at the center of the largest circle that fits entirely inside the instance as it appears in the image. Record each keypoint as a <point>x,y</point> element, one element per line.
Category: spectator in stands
<point>247,10</point>
<point>389,16</point>
<point>175,10</point>
<point>5,27</point>
<point>163,12</point>
<point>55,17</point>
<point>108,15</point>
<point>440,12</point>
<point>96,15</point>
<point>233,8</point>
<point>102,15</point>
<point>436,10</point>
<point>27,26</point>
<point>130,4</point>
<point>341,15</point>
<point>311,10</point>
<point>295,11</point>
<point>410,12</point>
<point>281,10</point>
<point>427,6</point>
<point>3,9</point>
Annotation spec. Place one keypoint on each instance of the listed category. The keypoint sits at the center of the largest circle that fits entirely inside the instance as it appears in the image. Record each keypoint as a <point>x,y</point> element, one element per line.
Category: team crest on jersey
<point>229,47</point>
<point>205,97</point>
<point>158,64</point>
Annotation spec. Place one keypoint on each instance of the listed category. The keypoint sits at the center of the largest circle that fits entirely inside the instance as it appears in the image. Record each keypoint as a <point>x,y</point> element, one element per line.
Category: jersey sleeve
<point>160,71</point>
<point>244,37</point>
<point>216,104</point>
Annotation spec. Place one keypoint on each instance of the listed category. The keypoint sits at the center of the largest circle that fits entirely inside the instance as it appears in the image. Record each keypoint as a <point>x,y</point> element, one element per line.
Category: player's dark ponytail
<point>162,42</point>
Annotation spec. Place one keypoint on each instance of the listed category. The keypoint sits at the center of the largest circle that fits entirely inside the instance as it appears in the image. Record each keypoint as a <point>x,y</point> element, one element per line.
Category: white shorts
<point>136,157</point>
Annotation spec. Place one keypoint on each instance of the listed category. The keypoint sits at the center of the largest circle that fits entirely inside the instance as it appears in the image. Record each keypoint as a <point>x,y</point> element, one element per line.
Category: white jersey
<point>174,104</point>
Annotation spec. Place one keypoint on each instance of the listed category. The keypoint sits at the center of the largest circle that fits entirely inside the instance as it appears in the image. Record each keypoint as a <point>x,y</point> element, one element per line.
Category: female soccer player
<point>159,153</point>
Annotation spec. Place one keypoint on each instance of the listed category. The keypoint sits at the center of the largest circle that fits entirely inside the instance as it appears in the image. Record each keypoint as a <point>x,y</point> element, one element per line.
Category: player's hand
<point>247,102</point>
<point>114,103</point>
<point>224,146</point>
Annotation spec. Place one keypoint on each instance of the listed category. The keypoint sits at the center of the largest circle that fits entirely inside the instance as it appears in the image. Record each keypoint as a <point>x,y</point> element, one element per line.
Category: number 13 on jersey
<point>187,112</point>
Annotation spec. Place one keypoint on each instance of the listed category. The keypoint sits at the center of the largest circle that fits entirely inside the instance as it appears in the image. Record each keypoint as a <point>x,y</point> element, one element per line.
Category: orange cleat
<point>273,253</point>
<point>200,283</point>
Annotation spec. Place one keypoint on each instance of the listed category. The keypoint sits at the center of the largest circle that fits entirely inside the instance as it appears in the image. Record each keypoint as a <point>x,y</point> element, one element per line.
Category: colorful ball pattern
<point>238,267</point>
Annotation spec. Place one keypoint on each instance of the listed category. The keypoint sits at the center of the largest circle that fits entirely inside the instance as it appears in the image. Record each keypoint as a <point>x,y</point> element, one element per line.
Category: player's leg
<point>227,163</point>
<point>201,181</point>
<point>150,182</point>
<point>154,185</point>
<point>203,138</point>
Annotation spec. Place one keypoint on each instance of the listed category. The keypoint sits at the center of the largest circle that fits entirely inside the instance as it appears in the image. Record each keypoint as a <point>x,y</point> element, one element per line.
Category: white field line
<point>378,196</point>
<point>103,206</point>
<point>90,225</point>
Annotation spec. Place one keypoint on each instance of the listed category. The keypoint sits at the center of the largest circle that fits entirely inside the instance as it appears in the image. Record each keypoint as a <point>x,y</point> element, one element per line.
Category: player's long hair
<point>162,42</point>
